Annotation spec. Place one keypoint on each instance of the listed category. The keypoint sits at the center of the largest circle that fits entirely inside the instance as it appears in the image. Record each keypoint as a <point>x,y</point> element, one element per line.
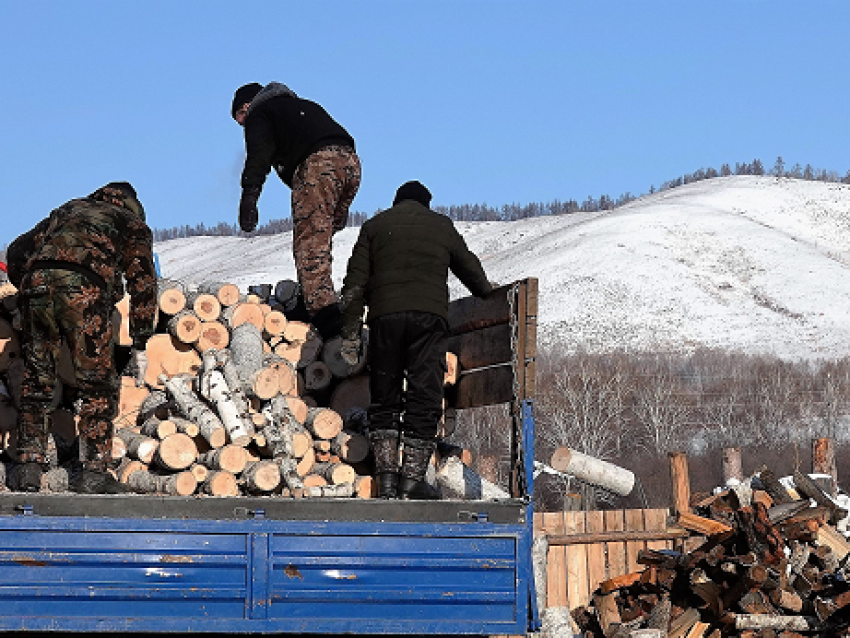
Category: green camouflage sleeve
<point>140,275</point>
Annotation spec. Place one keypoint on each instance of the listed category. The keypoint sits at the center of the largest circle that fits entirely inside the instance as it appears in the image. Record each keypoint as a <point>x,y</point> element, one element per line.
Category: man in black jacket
<point>315,157</point>
<point>399,269</point>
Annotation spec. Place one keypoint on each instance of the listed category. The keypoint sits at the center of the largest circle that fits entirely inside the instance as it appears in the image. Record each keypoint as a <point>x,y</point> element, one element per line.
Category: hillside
<point>756,264</point>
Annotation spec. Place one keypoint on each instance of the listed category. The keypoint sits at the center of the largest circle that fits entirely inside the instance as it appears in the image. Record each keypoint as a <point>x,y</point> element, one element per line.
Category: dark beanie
<point>413,190</point>
<point>244,95</point>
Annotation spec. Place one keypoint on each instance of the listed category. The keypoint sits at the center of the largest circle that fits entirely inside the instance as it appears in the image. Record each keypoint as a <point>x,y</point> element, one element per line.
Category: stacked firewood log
<point>765,560</point>
<point>240,396</point>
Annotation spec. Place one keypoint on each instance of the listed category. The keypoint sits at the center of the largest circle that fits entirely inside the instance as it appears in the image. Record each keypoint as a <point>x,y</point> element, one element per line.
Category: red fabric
<point>3,267</point>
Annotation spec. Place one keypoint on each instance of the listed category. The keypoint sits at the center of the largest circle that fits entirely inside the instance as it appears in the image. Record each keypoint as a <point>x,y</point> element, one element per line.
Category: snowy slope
<point>756,264</point>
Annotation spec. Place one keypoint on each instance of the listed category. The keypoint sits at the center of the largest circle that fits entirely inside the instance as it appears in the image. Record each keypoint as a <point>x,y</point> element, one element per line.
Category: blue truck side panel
<point>271,575</point>
<point>262,576</point>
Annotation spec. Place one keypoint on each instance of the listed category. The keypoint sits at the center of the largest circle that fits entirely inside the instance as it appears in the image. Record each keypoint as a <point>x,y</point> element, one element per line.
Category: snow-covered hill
<point>756,264</point>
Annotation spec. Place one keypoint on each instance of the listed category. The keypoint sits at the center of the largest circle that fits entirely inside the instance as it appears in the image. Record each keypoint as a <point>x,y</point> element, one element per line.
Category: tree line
<point>516,211</point>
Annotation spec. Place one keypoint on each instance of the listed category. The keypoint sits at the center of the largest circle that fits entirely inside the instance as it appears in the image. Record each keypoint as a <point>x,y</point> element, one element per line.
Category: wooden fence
<point>583,551</point>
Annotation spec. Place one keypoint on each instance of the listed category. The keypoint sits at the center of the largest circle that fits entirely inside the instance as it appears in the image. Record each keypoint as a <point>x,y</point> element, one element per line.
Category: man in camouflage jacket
<point>78,261</point>
<point>313,155</point>
<point>399,269</point>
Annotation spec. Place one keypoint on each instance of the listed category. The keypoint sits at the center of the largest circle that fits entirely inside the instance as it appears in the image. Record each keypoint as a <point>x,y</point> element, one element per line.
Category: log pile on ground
<point>239,397</point>
<point>766,561</point>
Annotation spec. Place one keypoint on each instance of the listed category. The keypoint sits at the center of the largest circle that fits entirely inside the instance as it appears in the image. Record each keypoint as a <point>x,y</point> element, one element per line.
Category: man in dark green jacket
<point>399,270</point>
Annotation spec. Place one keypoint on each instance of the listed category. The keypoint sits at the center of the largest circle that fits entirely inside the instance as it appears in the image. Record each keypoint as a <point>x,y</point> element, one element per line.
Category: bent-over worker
<point>78,261</point>
<point>315,157</point>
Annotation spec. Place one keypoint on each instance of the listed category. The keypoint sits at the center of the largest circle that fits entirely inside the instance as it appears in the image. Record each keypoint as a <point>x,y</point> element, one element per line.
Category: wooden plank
<point>615,522</point>
<point>556,573</point>
<point>578,593</point>
<point>662,536</point>
<point>472,313</point>
<point>681,482</point>
<point>489,386</point>
<point>485,347</point>
<point>656,519</point>
<point>595,523</point>
<point>634,523</point>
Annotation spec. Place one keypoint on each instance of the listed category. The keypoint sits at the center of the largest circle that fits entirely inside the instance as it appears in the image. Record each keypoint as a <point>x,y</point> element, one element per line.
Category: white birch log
<point>457,480</point>
<point>211,427</point>
<point>594,471</point>
<point>139,446</point>
<point>289,473</point>
<point>343,490</point>
<point>234,417</point>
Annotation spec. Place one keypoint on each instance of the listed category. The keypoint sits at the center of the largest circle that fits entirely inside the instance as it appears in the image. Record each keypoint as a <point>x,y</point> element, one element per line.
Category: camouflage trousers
<point>322,191</point>
<point>57,306</point>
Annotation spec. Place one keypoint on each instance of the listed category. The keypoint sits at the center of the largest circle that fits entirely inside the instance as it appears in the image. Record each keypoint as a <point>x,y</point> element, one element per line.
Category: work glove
<point>248,213</point>
<point>138,365</point>
<point>350,350</point>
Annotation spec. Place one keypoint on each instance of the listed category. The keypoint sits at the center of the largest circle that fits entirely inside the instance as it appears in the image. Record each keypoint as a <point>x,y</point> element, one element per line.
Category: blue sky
<point>484,101</point>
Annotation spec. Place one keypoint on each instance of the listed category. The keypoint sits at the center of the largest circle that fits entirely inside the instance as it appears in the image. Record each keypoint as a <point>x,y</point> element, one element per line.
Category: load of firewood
<point>766,560</point>
<point>240,396</point>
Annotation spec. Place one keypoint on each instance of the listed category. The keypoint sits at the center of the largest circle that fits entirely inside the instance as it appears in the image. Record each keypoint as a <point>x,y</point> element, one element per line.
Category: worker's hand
<point>248,213</point>
<point>138,365</point>
<point>350,350</point>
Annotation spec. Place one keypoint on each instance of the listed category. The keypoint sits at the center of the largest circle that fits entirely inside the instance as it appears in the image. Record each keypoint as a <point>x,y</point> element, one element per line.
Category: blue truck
<point>165,564</point>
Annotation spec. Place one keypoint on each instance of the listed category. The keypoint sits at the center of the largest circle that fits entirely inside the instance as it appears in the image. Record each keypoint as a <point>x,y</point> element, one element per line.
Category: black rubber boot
<point>26,477</point>
<point>94,482</point>
<point>385,448</point>
<point>414,464</point>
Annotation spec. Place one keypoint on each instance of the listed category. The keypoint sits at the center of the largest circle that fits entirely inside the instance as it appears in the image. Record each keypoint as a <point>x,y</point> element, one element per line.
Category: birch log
<point>158,428</point>
<point>246,351</point>
<point>213,335</point>
<point>171,296</point>
<point>289,473</point>
<point>338,366</point>
<point>335,473</point>
<point>170,357</point>
<point>460,481</point>
<point>261,477</point>
<point>342,490</point>
<point>594,471</point>
<point>350,447</point>
<point>185,326</point>
<point>220,483</point>
<point>317,377</point>
<point>243,313</point>
<point>211,427</point>
<point>323,423</point>
<point>231,458</point>
<point>139,446</point>
<point>176,452</point>
<point>206,306</point>
<point>227,294</point>
<point>239,427</point>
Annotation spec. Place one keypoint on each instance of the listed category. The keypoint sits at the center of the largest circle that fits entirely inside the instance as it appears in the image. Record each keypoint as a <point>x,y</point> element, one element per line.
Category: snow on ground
<point>756,264</point>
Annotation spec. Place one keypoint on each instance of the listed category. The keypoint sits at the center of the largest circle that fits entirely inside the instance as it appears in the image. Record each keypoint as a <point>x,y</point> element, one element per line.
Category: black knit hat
<point>413,190</point>
<point>244,95</point>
